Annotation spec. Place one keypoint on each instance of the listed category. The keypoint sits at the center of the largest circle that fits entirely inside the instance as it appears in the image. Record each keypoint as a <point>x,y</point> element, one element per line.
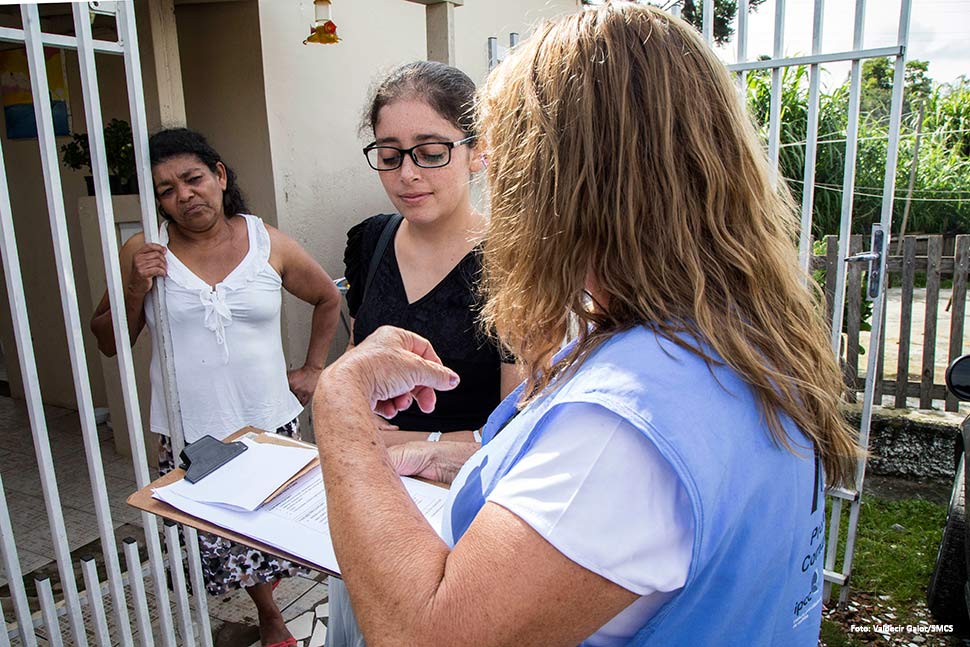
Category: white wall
<point>315,95</point>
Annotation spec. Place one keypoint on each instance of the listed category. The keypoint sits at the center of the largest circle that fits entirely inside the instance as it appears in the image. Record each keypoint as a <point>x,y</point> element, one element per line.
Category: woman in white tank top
<point>223,273</point>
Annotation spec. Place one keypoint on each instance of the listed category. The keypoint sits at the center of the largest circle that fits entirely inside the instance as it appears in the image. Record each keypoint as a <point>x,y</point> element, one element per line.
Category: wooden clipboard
<point>142,499</point>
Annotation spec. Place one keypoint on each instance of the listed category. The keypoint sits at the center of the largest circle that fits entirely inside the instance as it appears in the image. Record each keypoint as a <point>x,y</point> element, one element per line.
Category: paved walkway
<point>303,600</point>
<point>942,347</point>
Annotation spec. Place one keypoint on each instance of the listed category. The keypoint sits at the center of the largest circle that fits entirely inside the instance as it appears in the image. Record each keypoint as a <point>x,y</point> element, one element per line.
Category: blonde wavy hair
<point>619,151</point>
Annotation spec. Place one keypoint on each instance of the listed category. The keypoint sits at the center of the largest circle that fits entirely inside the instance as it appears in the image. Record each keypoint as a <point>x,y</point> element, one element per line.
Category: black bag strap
<point>386,235</point>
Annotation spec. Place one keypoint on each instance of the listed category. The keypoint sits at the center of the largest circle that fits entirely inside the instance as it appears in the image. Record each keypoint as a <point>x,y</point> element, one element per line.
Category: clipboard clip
<point>206,455</point>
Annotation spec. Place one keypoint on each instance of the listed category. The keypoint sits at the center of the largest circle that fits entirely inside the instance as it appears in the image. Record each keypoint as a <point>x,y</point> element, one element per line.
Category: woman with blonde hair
<point>659,480</point>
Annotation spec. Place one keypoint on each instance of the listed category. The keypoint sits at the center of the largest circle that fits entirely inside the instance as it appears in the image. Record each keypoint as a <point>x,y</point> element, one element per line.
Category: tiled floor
<point>303,600</point>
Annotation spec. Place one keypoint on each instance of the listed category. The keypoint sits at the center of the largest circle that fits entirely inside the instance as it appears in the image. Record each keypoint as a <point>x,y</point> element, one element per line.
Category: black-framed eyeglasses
<point>427,155</point>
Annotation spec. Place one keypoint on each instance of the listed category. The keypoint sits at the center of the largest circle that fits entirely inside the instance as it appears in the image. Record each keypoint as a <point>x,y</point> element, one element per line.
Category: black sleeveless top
<point>447,316</point>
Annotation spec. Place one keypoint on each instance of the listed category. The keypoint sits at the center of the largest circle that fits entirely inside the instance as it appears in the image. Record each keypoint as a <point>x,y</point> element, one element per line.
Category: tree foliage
<point>693,12</point>
<point>877,86</point>
<point>941,196</point>
<point>724,14</point>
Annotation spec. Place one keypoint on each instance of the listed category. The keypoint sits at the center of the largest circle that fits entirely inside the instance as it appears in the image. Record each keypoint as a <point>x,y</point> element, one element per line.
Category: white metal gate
<point>876,257</point>
<point>169,628</point>
<point>190,622</point>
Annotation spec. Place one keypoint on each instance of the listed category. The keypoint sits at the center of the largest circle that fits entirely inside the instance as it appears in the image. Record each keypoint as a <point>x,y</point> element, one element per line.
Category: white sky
<point>939,32</point>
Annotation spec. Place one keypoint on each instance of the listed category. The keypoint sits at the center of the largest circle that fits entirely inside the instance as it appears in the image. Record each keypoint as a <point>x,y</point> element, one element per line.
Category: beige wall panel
<point>146,54</point>
<point>315,95</point>
<point>222,72</point>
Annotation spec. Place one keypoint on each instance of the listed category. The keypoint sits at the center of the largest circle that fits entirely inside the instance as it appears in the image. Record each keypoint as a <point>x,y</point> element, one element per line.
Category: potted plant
<point>120,149</point>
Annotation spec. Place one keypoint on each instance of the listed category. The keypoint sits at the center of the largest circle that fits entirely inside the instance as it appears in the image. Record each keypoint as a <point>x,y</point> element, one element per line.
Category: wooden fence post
<point>853,317</point>
<point>905,320</point>
<point>958,306</point>
<point>934,249</point>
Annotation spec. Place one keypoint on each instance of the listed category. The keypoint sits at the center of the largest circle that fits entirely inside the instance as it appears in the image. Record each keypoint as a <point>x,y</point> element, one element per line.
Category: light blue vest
<point>755,577</point>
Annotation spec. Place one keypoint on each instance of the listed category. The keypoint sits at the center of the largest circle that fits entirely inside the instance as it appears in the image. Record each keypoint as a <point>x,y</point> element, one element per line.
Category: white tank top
<point>229,361</point>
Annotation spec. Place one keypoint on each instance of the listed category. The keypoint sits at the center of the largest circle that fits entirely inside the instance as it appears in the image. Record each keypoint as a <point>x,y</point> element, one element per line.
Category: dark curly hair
<point>171,142</point>
<point>446,89</point>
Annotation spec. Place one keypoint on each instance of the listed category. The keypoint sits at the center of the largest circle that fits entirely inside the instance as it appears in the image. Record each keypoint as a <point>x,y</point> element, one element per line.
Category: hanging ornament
<point>324,30</point>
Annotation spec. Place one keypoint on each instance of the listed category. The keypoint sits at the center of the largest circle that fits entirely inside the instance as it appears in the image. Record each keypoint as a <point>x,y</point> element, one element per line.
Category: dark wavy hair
<point>446,89</point>
<point>171,142</point>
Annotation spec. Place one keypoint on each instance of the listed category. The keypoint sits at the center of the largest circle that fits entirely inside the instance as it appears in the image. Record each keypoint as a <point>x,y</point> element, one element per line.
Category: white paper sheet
<point>249,478</point>
<point>296,520</point>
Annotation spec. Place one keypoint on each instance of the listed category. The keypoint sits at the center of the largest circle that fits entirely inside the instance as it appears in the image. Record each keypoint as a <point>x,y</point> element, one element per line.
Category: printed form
<point>232,485</point>
<point>296,520</point>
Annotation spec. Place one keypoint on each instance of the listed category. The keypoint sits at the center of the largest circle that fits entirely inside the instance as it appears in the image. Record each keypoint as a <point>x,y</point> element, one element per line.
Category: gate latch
<point>874,257</point>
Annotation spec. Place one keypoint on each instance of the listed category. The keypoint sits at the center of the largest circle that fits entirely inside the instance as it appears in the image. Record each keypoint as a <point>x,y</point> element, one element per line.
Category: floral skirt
<point>225,564</point>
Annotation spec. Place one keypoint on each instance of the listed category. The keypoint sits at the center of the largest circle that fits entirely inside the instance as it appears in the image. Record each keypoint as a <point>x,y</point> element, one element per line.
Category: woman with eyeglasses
<point>417,269</point>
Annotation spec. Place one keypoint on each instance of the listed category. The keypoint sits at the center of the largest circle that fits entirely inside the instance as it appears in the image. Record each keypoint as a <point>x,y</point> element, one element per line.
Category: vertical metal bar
<point>99,167</point>
<point>707,18</point>
<point>55,205</point>
<point>129,36</point>
<point>742,38</point>
<point>889,189</point>
<point>178,582</point>
<point>92,585</point>
<point>136,104</point>
<point>198,584</point>
<point>878,310</point>
<point>811,144</point>
<point>49,611</point>
<point>136,583</point>
<point>8,546</point>
<point>492,52</point>
<point>849,548</point>
<point>895,117</point>
<point>4,638</point>
<point>146,194</point>
<point>832,543</point>
<point>881,364</point>
<point>513,39</point>
<point>848,177</point>
<point>774,118</point>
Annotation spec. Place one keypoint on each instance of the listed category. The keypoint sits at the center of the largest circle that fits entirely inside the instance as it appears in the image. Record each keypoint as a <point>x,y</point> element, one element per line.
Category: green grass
<point>894,562</point>
<point>895,550</point>
<point>834,636</point>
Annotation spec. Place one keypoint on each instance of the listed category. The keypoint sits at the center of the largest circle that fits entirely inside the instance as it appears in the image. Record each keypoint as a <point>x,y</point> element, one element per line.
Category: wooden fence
<point>929,260</point>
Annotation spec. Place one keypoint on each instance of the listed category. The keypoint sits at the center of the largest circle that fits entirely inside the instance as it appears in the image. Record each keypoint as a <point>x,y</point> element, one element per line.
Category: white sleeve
<point>599,491</point>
